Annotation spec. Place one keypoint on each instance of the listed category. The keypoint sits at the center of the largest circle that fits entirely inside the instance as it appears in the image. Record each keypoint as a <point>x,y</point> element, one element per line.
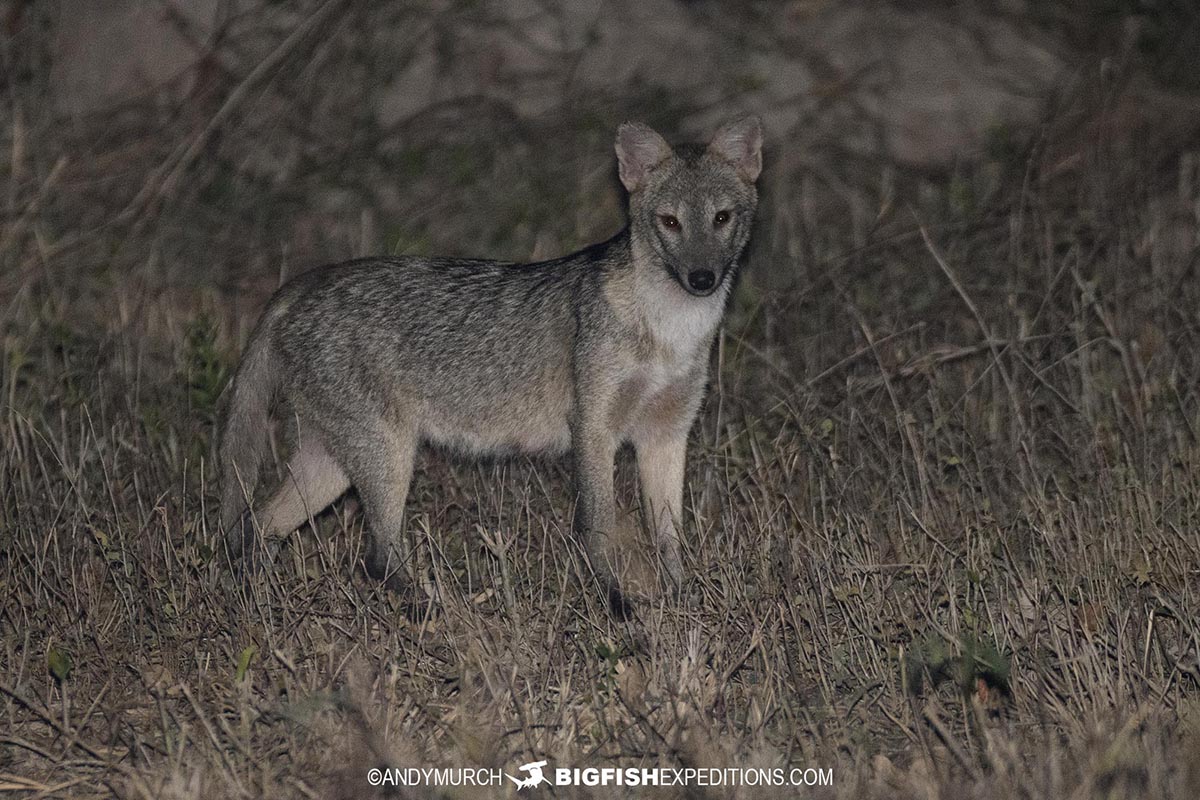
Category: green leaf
<point>244,662</point>
<point>59,663</point>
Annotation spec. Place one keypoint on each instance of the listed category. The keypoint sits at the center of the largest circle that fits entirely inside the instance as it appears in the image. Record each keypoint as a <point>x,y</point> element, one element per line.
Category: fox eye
<point>720,219</point>
<point>669,221</point>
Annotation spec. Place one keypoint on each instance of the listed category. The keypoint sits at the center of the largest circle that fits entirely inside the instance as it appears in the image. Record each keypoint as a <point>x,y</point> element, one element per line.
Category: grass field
<point>944,493</point>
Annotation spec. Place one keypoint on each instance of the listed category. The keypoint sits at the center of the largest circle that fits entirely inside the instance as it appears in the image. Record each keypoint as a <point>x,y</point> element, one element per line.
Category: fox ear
<point>740,143</point>
<point>639,150</point>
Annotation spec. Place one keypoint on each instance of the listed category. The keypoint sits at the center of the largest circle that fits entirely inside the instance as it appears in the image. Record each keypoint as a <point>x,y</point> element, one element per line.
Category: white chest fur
<point>682,327</point>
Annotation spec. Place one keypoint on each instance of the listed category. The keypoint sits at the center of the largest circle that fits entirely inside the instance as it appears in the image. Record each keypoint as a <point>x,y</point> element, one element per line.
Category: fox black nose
<point>701,280</point>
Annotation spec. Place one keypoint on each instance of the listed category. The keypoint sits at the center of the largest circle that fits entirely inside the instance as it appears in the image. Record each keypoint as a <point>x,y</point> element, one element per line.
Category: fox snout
<point>702,280</point>
<point>699,267</point>
<point>699,270</point>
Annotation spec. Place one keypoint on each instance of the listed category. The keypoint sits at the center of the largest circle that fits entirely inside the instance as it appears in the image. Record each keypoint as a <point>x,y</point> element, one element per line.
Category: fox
<point>583,354</point>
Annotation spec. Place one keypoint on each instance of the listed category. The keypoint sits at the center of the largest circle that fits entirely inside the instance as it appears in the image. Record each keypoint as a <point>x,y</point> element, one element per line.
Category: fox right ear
<point>639,151</point>
<point>740,143</point>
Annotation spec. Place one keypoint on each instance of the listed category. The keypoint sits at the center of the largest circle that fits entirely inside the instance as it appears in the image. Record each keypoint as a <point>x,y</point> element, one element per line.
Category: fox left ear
<point>740,143</point>
<point>639,151</point>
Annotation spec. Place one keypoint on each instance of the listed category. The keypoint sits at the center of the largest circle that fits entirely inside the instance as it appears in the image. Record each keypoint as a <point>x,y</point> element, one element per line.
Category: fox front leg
<point>594,449</point>
<point>660,472</point>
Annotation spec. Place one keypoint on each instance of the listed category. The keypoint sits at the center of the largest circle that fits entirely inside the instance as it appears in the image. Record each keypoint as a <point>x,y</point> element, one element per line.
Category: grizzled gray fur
<point>579,354</point>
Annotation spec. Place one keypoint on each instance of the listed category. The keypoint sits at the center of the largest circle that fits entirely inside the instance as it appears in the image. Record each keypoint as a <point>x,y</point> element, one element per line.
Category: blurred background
<point>224,143</point>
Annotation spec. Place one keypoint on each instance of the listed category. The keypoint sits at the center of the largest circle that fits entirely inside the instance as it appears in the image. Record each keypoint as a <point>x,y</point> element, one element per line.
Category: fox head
<point>692,206</point>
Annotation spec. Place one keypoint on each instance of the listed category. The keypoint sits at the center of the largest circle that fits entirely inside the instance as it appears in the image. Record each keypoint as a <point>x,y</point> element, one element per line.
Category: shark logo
<point>536,778</point>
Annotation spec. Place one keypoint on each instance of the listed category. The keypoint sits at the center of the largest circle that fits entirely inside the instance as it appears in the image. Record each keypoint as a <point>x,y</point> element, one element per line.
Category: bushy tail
<point>244,440</point>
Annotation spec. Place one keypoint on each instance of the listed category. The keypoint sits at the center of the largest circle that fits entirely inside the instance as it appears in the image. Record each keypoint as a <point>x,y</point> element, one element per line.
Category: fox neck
<point>675,318</point>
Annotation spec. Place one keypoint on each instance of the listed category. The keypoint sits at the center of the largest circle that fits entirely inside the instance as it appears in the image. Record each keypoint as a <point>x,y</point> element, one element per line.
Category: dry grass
<point>946,494</point>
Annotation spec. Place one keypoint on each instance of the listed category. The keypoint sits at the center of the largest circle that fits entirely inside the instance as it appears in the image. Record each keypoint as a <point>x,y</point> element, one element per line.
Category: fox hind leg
<point>380,467</point>
<point>313,481</point>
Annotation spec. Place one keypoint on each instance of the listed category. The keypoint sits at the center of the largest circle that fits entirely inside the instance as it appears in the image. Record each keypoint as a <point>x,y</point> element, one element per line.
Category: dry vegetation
<point>946,486</point>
